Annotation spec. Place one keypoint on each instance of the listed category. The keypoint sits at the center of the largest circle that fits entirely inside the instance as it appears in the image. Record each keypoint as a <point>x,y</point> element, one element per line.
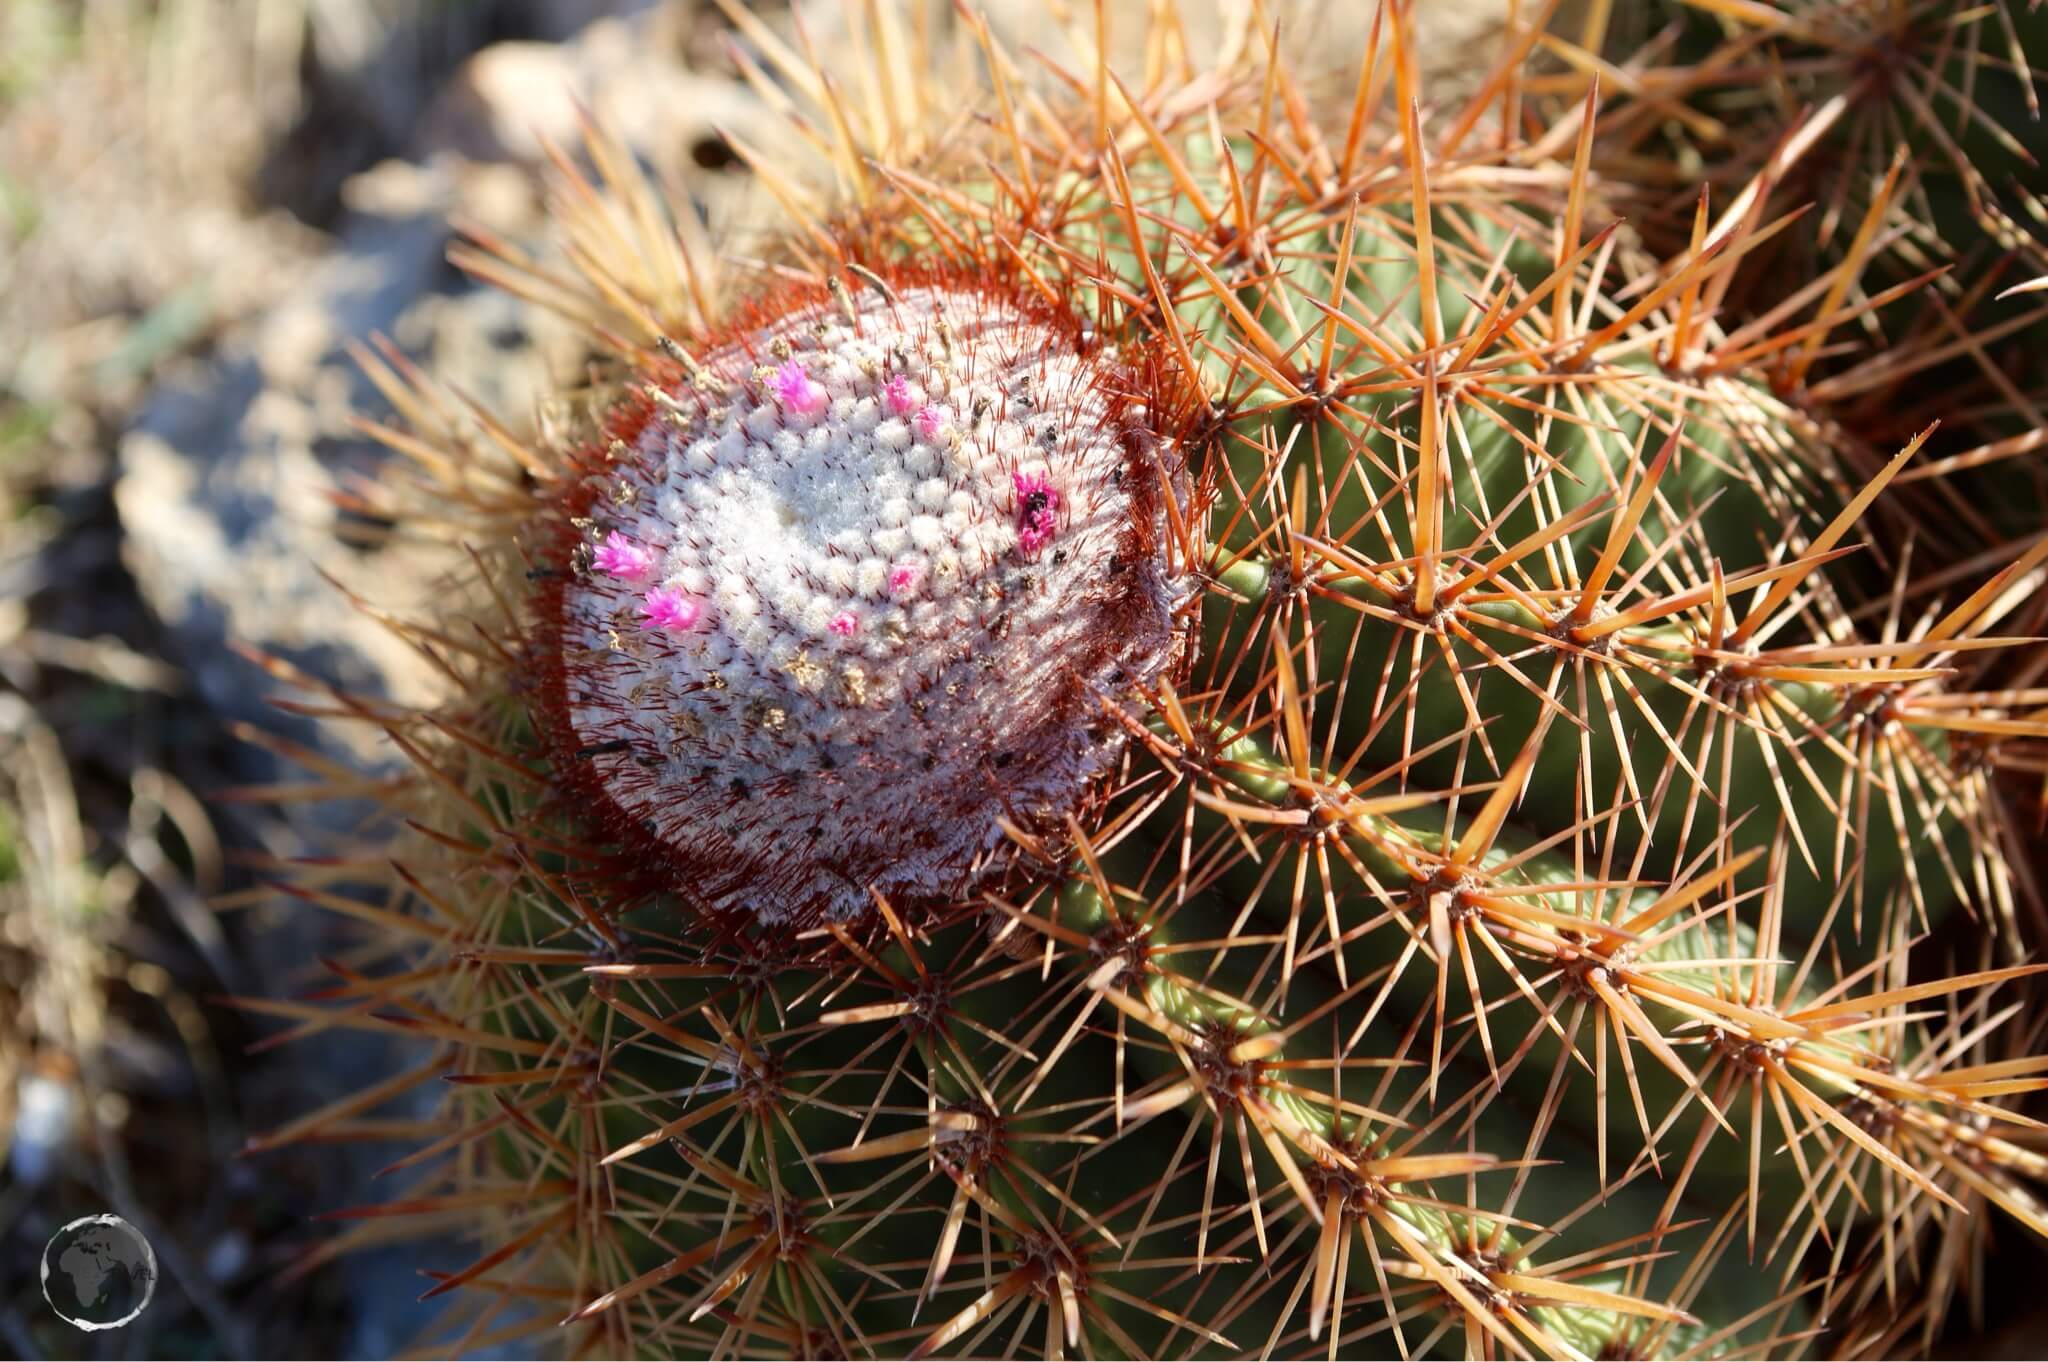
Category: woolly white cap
<point>870,598</point>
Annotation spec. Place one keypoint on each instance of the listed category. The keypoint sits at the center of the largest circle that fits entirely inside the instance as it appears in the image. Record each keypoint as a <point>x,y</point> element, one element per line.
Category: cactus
<point>1203,719</point>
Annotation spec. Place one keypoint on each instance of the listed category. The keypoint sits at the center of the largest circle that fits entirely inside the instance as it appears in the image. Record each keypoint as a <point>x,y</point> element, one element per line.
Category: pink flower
<point>793,386</point>
<point>667,608</point>
<point>1038,504</point>
<point>844,624</point>
<point>621,557</point>
<point>904,578</point>
<point>896,395</point>
<point>930,421</point>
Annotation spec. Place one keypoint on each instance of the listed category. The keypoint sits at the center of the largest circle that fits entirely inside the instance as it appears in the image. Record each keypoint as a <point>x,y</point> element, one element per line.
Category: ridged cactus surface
<point>1205,710</point>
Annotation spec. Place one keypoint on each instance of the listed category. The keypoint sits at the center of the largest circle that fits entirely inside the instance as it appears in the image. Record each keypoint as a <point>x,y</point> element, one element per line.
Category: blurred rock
<point>509,100</point>
<point>224,483</point>
<point>46,1121</point>
<point>369,69</point>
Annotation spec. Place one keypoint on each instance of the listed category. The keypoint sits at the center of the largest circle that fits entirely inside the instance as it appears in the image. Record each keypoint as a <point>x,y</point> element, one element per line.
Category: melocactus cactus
<point>1198,722</point>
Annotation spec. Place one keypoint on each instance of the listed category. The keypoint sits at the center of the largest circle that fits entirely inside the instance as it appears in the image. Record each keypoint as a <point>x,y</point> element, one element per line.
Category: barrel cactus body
<point>1209,715</point>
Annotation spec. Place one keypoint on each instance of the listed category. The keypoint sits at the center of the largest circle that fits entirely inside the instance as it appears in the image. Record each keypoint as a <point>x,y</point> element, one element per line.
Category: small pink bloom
<point>793,386</point>
<point>896,395</point>
<point>904,578</point>
<point>667,608</point>
<point>844,624</point>
<point>621,557</point>
<point>930,421</point>
<point>1038,504</point>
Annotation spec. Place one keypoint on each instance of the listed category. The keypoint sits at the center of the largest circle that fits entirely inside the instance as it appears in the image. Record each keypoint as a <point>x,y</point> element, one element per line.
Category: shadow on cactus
<point>1195,717</point>
<point>1911,135</point>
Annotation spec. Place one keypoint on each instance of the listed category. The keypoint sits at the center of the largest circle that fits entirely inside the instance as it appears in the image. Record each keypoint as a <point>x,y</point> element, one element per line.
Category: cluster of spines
<point>698,1144</point>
